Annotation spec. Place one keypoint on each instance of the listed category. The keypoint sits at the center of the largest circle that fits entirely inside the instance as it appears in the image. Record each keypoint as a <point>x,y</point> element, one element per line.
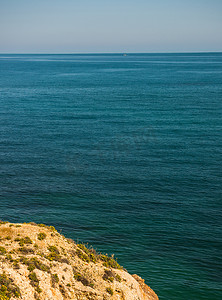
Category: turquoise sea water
<point>122,152</point>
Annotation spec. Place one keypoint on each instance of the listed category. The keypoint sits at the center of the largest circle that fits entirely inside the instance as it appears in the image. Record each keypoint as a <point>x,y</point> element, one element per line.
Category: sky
<point>110,26</point>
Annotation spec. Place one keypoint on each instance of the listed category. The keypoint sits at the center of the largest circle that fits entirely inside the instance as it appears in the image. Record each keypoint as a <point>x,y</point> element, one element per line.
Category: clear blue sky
<point>86,26</point>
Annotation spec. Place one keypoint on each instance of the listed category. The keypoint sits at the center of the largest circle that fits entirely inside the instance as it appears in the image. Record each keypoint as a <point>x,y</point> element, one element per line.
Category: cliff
<point>36,262</point>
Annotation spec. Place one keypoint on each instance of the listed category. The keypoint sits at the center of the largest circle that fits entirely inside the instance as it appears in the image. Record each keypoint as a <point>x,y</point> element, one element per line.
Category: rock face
<point>36,262</point>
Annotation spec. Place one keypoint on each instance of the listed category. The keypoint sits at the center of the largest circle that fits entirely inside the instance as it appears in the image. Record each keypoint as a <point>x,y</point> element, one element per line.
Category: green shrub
<point>3,296</point>
<point>82,279</point>
<point>7,288</point>
<point>3,222</point>
<point>54,254</point>
<point>34,281</point>
<point>92,257</point>
<point>23,241</point>
<point>9,257</point>
<point>83,248</point>
<point>49,227</point>
<point>42,225</point>
<point>41,236</point>
<point>16,264</point>
<point>109,290</point>
<point>25,250</point>
<point>89,254</point>
<point>109,262</point>
<point>33,263</point>
<point>53,249</point>
<point>109,275</point>
<point>38,289</point>
<point>83,256</point>
<point>2,250</point>
<point>118,278</point>
<point>52,228</point>
<point>54,279</point>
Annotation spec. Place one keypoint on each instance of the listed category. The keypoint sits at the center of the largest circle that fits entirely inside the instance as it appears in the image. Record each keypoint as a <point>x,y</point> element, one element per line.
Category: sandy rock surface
<point>36,262</point>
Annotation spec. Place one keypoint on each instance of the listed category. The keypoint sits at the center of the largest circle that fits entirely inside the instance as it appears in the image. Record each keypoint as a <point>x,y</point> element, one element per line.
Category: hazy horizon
<point>104,53</point>
<point>86,27</point>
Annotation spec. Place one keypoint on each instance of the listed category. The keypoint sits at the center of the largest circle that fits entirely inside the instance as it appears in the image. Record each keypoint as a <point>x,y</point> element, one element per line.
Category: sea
<point>122,152</point>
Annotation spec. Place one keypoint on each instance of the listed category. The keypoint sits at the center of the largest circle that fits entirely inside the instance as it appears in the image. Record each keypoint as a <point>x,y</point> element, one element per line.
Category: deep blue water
<point>122,152</point>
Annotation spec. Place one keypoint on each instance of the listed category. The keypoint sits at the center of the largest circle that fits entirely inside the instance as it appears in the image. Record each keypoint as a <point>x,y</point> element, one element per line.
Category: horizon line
<point>88,53</point>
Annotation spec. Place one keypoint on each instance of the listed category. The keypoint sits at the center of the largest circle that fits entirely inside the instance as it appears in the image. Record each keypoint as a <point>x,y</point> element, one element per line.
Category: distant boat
<point>124,54</point>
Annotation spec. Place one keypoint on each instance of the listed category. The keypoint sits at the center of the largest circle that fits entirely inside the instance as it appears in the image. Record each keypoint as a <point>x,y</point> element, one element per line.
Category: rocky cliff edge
<point>36,262</point>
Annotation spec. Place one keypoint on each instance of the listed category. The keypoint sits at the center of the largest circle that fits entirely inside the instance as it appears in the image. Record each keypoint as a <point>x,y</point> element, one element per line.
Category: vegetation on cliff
<point>36,262</point>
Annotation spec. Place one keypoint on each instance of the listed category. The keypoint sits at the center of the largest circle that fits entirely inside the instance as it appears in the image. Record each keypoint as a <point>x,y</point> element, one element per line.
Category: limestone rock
<point>38,263</point>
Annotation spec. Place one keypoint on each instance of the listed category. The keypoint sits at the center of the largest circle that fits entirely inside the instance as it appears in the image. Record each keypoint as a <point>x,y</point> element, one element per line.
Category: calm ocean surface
<point>122,152</point>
